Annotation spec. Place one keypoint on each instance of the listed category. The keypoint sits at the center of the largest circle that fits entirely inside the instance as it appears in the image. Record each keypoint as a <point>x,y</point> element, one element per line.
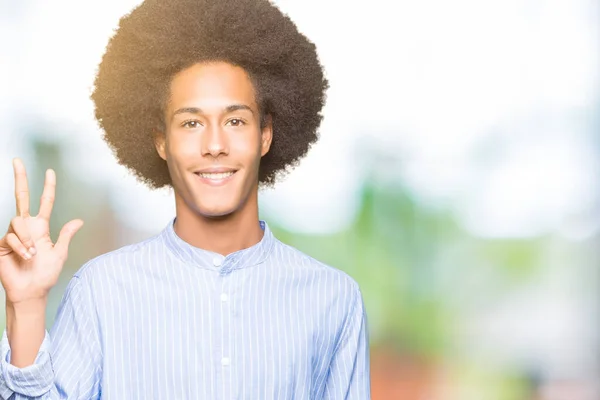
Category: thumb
<point>66,234</point>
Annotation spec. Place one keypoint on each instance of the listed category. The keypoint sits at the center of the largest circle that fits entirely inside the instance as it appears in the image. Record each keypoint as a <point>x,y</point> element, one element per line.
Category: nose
<point>214,142</point>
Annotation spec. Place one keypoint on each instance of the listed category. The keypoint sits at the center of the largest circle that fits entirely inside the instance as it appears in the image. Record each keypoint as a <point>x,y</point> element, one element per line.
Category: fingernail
<point>32,251</point>
<point>26,255</point>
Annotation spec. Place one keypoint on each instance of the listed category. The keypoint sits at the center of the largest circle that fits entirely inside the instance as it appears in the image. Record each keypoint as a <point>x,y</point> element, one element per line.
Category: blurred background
<point>456,178</point>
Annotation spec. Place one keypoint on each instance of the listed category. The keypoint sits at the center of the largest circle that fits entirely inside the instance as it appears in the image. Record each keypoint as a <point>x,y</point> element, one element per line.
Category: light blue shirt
<point>162,319</point>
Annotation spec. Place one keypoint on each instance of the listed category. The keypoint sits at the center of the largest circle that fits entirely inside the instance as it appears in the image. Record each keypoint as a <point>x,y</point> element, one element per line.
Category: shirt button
<point>217,262</point>
<point>224,297</point>
<point>225,361</point>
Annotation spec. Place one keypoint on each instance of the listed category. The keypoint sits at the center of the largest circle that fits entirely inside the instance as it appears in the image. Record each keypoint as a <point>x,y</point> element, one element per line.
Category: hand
<point>29,262</point>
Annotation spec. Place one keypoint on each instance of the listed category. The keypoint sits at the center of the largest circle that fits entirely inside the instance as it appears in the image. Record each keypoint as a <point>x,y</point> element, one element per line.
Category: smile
<point>215,178</point>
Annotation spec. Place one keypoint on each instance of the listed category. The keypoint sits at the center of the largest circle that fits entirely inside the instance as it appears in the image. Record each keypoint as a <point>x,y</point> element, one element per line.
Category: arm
<point>34,381</point>
<point>349,370</point>
<point>25,329</point>
<point>68,365</point>
<point>30,264</point>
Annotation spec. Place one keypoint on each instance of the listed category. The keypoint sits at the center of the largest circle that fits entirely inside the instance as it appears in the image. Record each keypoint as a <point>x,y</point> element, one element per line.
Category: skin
<point>30,264</point>
<point>212,121</point>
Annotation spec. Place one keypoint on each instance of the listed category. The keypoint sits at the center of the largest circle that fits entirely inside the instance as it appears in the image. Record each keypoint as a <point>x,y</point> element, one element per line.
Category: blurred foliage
<point>387,250</point>
<point>418,269</point>
<point>408,259</point>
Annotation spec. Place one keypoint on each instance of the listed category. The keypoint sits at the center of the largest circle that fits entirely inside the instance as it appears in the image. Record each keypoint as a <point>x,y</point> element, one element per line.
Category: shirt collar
<point>198,257</point>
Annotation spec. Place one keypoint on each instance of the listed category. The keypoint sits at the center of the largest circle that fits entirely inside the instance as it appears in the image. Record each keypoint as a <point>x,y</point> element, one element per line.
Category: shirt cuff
<point>32,381</point>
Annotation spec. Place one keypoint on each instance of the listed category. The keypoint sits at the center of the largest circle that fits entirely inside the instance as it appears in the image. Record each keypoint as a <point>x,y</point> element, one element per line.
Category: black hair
<point>160,38</point>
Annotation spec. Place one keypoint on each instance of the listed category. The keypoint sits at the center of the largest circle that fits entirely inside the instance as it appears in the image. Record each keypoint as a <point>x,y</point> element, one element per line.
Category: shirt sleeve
<point>349,371</point>
<point>35,380</point>
<point>68,365</point>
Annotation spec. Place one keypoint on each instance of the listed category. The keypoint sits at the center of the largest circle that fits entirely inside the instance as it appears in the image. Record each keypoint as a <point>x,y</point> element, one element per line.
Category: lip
<point>215,170</point>
<point>215,182</point>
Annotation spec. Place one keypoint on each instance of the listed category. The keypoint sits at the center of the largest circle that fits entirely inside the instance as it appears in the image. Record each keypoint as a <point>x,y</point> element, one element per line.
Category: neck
<point>224,235</point>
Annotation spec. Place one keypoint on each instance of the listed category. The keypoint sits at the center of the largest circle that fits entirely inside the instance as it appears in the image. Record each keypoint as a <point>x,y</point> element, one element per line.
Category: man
<point>213,98</point>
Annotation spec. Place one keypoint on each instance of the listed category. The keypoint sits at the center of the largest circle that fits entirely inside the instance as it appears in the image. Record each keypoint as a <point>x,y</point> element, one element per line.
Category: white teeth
<point>216,176</point>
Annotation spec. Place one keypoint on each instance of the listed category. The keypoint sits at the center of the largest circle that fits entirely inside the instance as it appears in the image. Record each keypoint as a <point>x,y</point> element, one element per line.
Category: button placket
<point>227,357</point>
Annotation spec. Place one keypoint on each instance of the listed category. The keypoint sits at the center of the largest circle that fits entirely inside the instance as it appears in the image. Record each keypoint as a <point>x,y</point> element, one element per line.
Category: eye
<point>236,122</point>
<point>191,124</point>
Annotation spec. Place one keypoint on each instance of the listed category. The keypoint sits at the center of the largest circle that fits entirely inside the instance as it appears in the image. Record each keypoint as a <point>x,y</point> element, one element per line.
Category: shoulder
<point>115,261</point>
<point>327,278</point>
<point>336,298</point>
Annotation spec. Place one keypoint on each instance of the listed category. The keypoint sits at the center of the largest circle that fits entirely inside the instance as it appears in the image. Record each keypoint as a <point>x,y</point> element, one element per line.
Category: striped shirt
<point>162,319</point>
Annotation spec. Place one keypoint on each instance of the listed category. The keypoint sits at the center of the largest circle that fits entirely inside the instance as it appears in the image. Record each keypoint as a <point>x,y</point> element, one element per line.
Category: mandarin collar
<point>202,258</point>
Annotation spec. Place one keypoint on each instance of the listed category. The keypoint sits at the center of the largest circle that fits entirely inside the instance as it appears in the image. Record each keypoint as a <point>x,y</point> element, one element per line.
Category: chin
<point>215,212</point>
<point>212,204</point>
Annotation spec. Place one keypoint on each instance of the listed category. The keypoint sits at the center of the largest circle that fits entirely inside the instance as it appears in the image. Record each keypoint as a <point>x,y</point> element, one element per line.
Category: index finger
<point>21,188</point>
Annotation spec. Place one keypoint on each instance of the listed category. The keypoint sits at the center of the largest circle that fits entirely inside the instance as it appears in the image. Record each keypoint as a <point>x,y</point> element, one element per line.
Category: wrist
<point>25,316</point>
<point>31,307</point>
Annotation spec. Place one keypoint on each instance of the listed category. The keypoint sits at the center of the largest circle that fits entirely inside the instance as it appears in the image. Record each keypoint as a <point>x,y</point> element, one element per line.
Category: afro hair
<point>160,38</point>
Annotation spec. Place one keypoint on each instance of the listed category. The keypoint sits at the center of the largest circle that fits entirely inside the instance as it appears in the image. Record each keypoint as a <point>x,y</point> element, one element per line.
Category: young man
<point>213,98</point>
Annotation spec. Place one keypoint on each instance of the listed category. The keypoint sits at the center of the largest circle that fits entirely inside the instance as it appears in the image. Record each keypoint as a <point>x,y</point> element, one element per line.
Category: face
<point>213,142</point>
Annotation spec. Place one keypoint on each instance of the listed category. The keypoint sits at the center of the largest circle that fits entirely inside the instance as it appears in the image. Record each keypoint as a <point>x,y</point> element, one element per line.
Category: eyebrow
<point>197,110</point>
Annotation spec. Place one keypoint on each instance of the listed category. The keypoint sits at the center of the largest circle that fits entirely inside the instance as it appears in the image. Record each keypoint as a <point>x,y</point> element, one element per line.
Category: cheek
<point>248,148</point>
<point>183,148</point>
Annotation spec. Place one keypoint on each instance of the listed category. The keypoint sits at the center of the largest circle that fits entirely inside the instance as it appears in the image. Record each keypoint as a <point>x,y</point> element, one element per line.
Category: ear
<point>160,142</point>
<point>267,136</point>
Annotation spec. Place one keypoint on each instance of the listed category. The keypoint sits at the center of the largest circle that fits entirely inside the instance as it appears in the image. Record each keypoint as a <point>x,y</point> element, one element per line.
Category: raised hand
<point>30,262</point>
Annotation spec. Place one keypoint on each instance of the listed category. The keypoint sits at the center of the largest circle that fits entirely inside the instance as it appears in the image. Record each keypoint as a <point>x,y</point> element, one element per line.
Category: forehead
<point>211,84</point>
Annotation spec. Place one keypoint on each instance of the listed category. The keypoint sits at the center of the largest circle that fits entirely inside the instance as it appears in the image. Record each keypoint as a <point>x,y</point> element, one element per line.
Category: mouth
<point>217,178</point>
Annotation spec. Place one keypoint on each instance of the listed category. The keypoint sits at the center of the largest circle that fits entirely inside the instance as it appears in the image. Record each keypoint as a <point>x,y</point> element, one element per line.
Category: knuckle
<point>17,224</point>
<point>48,199</point>
<point>15,243</point>
<point>20,227</point>
<point>21,233</point>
